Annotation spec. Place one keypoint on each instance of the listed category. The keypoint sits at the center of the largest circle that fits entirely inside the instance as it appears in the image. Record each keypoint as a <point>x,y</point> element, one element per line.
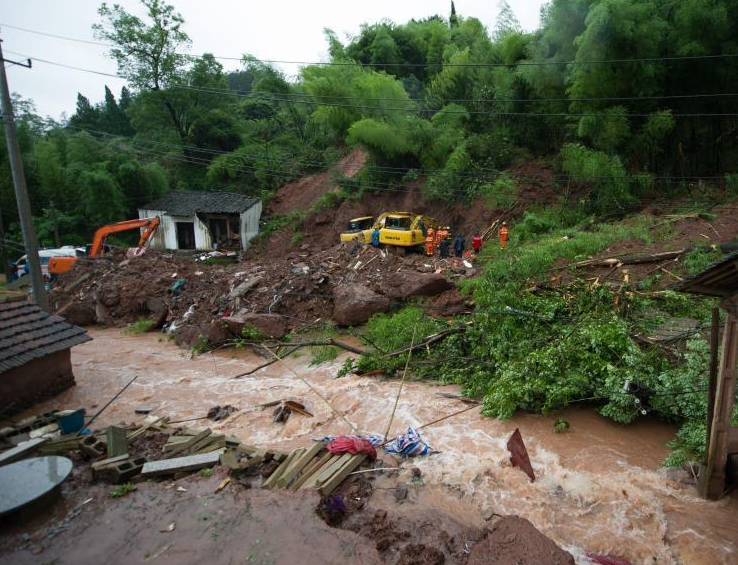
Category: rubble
<point>195,301</point>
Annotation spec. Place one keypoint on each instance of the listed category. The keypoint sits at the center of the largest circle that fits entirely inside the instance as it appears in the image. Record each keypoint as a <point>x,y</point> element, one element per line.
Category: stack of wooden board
<point>194,442</point>
<point>313,467</point>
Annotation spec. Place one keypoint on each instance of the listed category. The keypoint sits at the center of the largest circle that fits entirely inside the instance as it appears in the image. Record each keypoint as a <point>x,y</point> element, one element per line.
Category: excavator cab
<point>358,229</point>
<point>405,229</point>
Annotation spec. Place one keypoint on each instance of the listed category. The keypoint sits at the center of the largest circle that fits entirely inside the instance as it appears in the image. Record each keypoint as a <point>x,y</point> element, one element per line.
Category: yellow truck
<point>398,229</point>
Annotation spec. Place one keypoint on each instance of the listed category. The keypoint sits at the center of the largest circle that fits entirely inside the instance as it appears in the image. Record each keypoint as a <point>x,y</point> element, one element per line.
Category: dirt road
<point>600,487</point>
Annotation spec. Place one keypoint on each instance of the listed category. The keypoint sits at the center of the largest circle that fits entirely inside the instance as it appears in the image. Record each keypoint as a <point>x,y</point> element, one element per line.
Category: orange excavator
<point>58,265</point>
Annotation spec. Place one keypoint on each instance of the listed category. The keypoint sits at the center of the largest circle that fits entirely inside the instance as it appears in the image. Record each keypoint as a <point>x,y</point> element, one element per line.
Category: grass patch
<point>205,472</point>
<point>122,490</point>
<point>140,327</point>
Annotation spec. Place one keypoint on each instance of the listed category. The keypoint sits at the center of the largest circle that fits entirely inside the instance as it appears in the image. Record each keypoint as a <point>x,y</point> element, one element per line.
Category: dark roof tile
<point>28,333</point>
<point>190,202</point>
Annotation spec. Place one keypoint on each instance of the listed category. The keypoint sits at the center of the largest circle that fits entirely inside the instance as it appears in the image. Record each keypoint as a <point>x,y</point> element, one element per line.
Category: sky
<point>267,29</point>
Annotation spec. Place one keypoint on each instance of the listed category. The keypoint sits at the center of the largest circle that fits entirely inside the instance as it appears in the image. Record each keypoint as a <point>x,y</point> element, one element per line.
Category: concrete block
<point>181,464</point>
<point>93,447</point>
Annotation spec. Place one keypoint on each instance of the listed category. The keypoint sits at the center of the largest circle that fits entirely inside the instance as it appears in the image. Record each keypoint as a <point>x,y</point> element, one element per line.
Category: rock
<point>270,325</point>
<point>407,284</point>
<point>354,304</point>
<point>519,542</point>
<point>244,287</point>
<point>415,472</point>
<point>401,493</point>
<point>78,313</point>
<point>217,332</point>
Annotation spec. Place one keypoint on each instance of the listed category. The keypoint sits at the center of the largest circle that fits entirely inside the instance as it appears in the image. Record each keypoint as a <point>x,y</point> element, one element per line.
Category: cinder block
<point>93,447</point>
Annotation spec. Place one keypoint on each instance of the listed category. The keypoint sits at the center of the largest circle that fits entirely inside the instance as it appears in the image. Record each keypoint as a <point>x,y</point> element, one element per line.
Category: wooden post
<point>712,484</point>
<point>712,383</point>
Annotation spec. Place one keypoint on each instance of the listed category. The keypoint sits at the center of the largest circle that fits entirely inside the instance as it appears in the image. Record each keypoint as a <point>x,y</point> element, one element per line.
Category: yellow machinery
<point>359,229</point>
<point>404,229</point>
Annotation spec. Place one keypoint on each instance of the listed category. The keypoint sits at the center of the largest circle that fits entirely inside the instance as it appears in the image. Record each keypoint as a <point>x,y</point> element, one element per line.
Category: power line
<point>421,65</point>
<point>465,112</point>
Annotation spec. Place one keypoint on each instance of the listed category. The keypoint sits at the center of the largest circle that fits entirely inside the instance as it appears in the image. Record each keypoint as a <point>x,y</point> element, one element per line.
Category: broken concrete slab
<point>181,464</point>
<point>21,450</point>
<point>117,441</point>
<point>244,287</point>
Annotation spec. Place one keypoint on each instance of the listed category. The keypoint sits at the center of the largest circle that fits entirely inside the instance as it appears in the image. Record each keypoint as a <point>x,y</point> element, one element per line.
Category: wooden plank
<point>190,442</point>
<point>98,465</point>
<point>298,453</point>
<point>308,471</point>
<point>205,442</point>
<point>328,473</point>
<point>331,484</point>
<point>299,464</point>
<point>279,470</point>
<point>310,483</point>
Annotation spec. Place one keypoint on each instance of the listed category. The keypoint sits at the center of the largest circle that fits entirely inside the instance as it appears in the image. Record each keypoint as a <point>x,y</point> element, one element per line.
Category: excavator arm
<point>59,265</point>
<point>98,241</point>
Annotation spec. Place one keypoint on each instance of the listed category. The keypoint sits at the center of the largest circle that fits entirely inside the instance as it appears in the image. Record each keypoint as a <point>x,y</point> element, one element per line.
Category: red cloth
<point>353,446</point>
<point>477,242</point>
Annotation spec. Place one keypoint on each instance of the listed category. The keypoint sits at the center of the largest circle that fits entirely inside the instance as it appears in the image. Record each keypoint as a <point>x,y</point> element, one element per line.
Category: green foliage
<point>501,193</point>
<point>201,346</point>
<point>561,426</point>
<point>140,327</point>
<point>388,332</point>
<point>251,333</point>
<point>122,490</point>
<point>205,473</point>
<point>698,260</point>
<point>610,182</point>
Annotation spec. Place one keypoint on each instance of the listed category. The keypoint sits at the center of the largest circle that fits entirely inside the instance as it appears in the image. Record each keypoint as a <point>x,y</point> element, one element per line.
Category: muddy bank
<point>600,487</point>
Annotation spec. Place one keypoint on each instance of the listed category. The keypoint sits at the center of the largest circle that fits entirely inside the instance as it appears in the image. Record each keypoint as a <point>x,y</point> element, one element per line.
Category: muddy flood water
<point>600,487</point>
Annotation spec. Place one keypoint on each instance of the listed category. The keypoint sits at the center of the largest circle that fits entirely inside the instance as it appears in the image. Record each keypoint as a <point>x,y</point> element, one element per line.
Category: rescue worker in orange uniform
<point>430,245</point>
<point>503,235</point>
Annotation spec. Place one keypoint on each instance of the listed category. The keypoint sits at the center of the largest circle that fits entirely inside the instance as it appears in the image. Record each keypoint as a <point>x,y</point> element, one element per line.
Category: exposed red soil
<point>301,194</point>
<point>671,235</point>
<point>535,181</point>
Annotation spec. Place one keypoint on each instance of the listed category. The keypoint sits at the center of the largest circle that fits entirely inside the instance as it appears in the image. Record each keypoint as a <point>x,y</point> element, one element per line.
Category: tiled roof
<point>28,333</point>
<point>190,202</point>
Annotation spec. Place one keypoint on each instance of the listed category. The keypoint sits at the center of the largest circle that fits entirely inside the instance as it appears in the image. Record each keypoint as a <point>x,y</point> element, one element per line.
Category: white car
<point>21,268</point>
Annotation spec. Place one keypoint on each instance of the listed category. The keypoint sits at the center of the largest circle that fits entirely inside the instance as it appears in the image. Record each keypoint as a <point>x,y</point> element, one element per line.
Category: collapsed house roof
<point>28,333</point>
<point>191,202</point>
<point>719,279</point>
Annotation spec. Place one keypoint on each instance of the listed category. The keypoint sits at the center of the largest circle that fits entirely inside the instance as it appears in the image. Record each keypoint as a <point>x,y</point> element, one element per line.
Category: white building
<point>198,220</point>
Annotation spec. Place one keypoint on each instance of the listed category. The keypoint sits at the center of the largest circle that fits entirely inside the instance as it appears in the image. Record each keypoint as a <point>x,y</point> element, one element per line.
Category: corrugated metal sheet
<point>28,333</point>
<point>191,202</point>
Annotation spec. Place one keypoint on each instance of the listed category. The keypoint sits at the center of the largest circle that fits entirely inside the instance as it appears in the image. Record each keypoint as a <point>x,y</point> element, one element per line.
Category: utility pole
<point>21,193</point>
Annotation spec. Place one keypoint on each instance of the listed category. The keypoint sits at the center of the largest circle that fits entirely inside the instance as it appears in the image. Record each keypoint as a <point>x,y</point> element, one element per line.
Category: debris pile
<point>195,300</point>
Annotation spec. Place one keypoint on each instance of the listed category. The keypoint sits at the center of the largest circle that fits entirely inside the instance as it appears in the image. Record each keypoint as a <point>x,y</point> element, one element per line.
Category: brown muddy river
<point>599,487</point>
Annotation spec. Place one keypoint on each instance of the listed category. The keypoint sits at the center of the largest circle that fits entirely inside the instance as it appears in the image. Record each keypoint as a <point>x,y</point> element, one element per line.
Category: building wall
<point>35,381</point>
<point>250,224</point>
<point>166,235</point>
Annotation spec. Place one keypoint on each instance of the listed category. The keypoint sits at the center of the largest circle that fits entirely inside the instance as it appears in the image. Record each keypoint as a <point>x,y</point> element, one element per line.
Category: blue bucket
<point>70,421</point>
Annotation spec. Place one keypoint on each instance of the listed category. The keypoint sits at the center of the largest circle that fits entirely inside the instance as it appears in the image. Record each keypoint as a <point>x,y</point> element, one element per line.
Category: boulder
<point>217,332</point>
<point>79,313</point>
<point>354,304</point>
<point>270,325</point>
<point>406,284</point>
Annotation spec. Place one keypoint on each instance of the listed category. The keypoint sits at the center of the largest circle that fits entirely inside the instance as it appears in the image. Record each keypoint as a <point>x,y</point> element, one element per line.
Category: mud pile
<point>195,300</point>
